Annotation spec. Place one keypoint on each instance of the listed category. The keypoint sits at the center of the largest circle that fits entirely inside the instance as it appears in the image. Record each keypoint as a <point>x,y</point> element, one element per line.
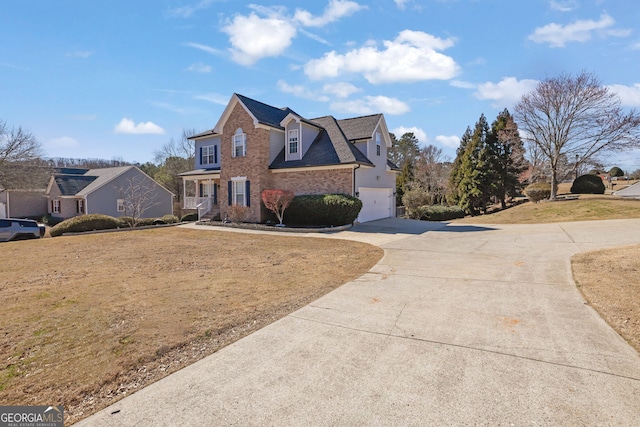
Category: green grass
<point>587,208</point>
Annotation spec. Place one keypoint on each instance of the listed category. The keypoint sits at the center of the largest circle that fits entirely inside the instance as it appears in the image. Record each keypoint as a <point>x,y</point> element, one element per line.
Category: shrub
<point>169,219</point>
<point>616,171</point>
<point>143,222</point>
<point>323,209</point>
<point>538,191</point>
<point>82,223</point>
<point>413,200</point>
<point>588,184</point>
<point>438,213</point>
<point>238,213</point>
<point>189,217</point>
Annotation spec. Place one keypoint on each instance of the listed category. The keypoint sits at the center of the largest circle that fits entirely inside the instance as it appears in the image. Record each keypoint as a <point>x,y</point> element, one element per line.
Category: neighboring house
<point>30,202</point>
<point>632,191</point>
<point>106,191</point>
<point>22,204</point>
<point>255,146</point>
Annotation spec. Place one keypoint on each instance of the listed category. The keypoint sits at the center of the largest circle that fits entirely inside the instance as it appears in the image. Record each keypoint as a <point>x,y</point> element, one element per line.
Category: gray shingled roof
<point>265,114</point>
<point>72,184</point>
<point>360,127</point>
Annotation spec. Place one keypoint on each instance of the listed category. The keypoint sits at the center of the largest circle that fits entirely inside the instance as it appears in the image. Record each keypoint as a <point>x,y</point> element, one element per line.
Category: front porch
<point>201,193</point>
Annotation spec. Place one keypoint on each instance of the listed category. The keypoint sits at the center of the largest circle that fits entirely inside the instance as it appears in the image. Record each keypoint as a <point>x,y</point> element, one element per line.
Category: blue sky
<point>118,79</point>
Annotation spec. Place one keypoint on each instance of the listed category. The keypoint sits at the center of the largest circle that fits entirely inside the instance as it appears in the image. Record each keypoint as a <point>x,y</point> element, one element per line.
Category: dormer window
<point>239,144</point>
<point>293,141</point>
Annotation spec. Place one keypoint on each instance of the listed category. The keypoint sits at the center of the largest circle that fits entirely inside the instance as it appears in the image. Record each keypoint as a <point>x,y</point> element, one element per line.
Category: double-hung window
<point>239,144</point>
<point>209,154</point>
<point>55,206</point>
<point>378,143</point>
<point>80,206</point>
<point>120,205</point>
<point>238,192</point>
<point>293,141</point>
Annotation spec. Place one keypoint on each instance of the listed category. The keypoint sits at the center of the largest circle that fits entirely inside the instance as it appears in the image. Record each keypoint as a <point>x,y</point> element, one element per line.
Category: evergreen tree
<point>472,170</point>
<point>456,169</point>
<point>403,153</point>
<point>507,157</point>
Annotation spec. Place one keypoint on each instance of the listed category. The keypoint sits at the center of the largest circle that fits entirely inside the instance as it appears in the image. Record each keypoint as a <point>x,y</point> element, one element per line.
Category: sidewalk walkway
<point>457,325</point>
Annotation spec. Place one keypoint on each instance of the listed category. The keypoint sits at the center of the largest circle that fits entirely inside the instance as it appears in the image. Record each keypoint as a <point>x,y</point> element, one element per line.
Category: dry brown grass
<point>89,319</point>
<point>608,280</point>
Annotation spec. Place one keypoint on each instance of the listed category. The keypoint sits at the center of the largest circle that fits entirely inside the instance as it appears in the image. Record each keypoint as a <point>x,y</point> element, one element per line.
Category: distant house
<point>106,191</point>
<point>255,146</point>
<point>22,204</point>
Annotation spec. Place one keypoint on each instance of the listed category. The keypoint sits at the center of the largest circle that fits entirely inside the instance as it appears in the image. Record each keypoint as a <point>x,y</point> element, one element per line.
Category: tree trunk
<point>554,185</point>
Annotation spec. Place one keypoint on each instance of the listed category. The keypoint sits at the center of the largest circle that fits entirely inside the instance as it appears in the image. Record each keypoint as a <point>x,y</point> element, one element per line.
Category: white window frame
<point>56,206</point>
<point>80,205</point>
<point>239,143</point>
<point>120,205</point>
<point>239,188</point>
<point>294,141</point>
<point>378,143</point>
<point>208,155</point>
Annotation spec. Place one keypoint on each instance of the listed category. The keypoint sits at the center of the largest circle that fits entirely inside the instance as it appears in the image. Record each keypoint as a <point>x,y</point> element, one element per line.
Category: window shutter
<point>229,192</point>
<point>200,189</point>
<point>200,155</point>
<point>215,194</point>
<point>215,154</point>
<point>247,191</point>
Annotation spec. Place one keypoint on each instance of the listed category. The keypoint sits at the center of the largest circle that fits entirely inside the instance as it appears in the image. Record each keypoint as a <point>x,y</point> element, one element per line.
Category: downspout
<point>353,193</point>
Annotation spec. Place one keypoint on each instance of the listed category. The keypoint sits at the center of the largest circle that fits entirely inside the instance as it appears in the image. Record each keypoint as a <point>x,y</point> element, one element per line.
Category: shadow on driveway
<point>412,226</point>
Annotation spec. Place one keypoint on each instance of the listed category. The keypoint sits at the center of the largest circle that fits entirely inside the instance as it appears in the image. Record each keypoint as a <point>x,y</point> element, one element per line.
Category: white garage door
<point>376,203</point>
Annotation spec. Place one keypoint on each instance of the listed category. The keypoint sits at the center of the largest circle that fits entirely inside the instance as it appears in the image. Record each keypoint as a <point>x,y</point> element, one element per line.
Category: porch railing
<point>193,202</point>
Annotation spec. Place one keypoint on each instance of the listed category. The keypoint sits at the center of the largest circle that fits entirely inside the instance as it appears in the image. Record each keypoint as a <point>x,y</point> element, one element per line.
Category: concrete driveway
<point>457,325</point>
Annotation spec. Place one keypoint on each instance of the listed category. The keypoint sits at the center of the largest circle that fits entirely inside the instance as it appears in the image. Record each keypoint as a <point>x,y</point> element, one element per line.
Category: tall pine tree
<point>507,157</point>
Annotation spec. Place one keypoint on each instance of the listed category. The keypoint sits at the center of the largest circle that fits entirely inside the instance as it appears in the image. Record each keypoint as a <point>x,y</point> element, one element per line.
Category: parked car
<point>20,229</point>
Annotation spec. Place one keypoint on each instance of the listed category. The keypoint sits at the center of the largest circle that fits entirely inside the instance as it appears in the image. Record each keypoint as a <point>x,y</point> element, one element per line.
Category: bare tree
<point>431,174</point>
<point>138,195</point>
<point>20,155</point>
<point>567,116</point>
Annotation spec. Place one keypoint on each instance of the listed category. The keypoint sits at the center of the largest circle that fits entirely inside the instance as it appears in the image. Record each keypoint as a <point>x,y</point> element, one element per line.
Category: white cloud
<point>340,89</point>
<point>253,38</point>
<point>629,95</point>
<point>418,132</point>
<point>213,97</point>
<point>188,10</point>
<point>507,91</point>
<point>127,126</point>
<point>199,67</point>
<point>557,35</point>
<point>204,48</point>
<point>411,57</point>
<point>300,91</point>
<point>401,3</point>
<point>462,84</point>
<point>63,142</point>
<point>335,10</point>
<point>372,105</point>
<point>448,141</point>
<point>564,6</point>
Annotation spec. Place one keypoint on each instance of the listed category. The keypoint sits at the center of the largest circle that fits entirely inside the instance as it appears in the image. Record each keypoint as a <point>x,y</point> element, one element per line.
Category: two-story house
<point>255,146</point>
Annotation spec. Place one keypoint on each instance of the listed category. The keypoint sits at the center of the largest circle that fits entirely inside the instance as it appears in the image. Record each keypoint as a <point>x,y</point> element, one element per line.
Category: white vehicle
<point>20,229</point>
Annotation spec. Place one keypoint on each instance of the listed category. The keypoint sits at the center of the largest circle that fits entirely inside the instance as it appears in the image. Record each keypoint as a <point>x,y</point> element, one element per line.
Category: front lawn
<point>89,319</point>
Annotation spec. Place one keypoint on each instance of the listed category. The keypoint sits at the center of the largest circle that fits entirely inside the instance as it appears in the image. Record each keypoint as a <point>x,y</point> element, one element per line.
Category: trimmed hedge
<point>588,184</point>
<point>538,191</point>
<point>85,223</point>
<point>437,213</point>
<point>169,219</point>
<point>189,217</point>
<point>323,209</point>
